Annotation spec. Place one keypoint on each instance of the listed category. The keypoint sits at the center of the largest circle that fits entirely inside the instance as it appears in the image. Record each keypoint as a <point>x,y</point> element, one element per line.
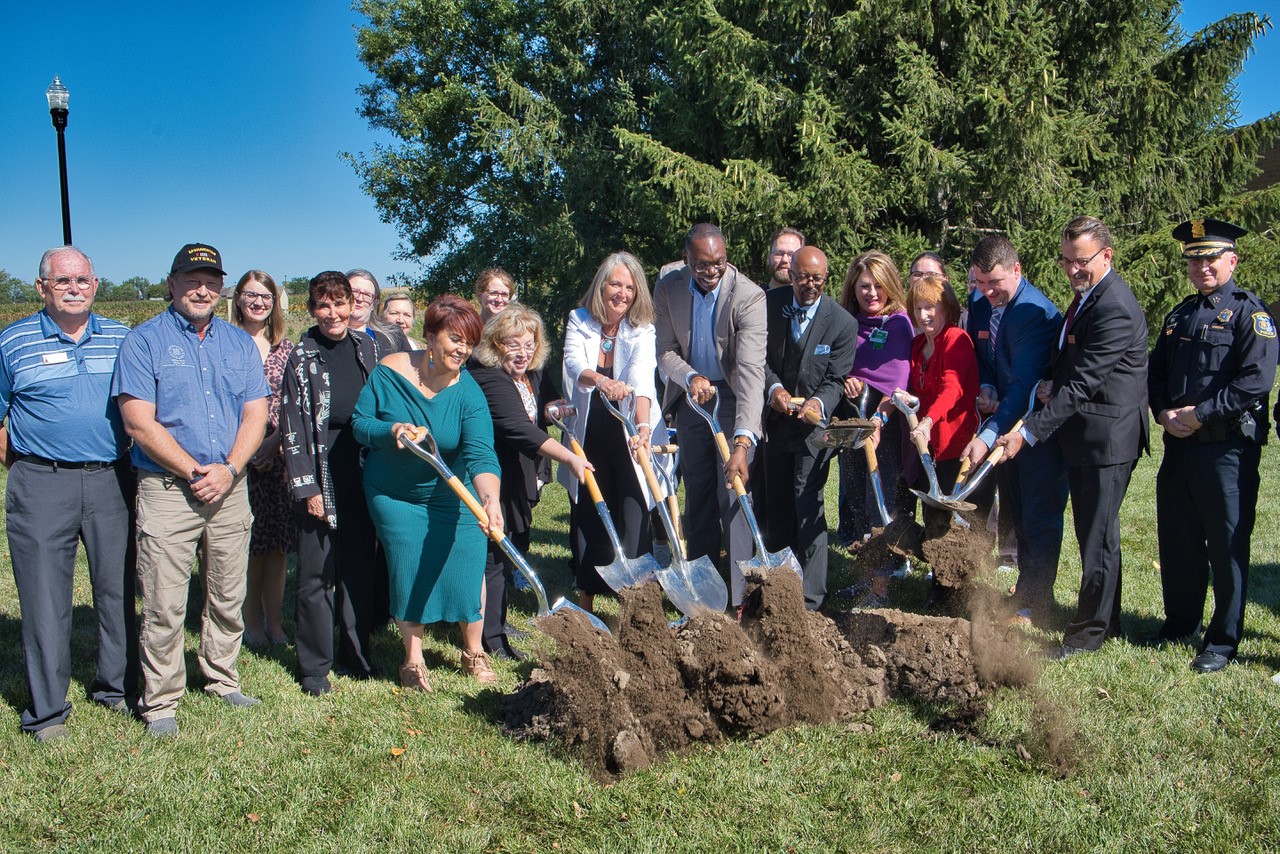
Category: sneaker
<point>1276,678</point>
<point>414,677</point>
<point>163,728</point>
<point>240,701</point>
<point>477,664</point>
<point>50,733</point>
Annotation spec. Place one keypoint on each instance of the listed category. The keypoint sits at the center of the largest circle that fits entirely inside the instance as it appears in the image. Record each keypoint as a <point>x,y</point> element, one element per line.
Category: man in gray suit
<point>710,321</point>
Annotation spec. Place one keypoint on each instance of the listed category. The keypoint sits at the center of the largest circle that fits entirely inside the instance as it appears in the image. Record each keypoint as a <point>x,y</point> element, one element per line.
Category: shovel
<point>764,559</point>
<point>836,434</point>
<point>426,448</point>
<point>623,571</point>
<point>909,406</point>
<point>692,586</point>
<point>965,485</point>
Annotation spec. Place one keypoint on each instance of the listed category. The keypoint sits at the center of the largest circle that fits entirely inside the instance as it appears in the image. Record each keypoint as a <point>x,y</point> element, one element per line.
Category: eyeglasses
<point>496,296</point>
<point>704,267</point>
<point>1068,263</point>
<point>63,283</point>
<point>811,280</point>
<point>362,297</point>
<point>514,347</point>
<point>252,296</point>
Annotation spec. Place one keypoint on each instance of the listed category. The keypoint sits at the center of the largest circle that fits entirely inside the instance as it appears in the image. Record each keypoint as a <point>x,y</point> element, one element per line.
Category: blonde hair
<point>935,289</point>
<point>513,321</point>
<point>883,272</point>
<point>641,311</point>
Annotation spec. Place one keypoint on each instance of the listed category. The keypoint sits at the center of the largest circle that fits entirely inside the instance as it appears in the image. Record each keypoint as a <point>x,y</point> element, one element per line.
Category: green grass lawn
<point>1165,760</point>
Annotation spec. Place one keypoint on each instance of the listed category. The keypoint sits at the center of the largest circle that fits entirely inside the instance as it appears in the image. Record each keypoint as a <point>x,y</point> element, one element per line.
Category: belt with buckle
<point>59,464</point>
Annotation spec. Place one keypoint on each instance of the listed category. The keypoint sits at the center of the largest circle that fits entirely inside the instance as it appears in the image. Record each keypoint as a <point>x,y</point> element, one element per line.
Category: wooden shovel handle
<point>593,488</point>
<point>809,416</point>
<point>474,506</point>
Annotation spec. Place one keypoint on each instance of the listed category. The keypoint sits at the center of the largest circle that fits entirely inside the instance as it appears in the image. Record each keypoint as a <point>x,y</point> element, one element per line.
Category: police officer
<point>1210,374</point>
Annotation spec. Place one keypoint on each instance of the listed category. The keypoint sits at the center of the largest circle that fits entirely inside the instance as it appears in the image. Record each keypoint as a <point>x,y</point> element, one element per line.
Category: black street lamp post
<point>58,99</point>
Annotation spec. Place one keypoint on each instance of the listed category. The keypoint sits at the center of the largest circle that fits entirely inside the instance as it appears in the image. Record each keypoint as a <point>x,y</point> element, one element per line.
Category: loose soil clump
<point>622,702</point>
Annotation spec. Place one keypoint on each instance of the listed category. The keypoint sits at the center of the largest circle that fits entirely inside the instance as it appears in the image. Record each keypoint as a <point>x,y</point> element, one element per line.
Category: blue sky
<point>222,122</point>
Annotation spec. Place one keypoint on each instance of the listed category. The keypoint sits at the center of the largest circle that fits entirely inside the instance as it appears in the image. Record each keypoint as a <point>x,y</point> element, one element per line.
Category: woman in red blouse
<point>944,375</point>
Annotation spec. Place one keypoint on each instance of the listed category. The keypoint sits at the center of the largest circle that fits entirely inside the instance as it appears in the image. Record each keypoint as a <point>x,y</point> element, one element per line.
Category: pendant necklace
<point>606,341</point>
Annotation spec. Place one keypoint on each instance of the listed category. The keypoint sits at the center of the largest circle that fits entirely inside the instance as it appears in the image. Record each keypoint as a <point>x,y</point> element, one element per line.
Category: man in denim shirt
<point>193,396</point>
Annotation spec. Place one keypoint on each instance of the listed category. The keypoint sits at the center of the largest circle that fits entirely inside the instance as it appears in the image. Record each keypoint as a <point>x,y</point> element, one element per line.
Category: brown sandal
<point>477,664</point>
<point>414,676</point>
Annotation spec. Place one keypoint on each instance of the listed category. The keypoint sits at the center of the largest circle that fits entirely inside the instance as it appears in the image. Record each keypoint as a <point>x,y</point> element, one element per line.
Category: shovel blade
<point>785,559</point>
<point>943,503</point>
<point>694,586</point>
<point>563,604</point>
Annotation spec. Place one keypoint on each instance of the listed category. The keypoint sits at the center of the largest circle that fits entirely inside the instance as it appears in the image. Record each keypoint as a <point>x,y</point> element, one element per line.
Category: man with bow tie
<point>1095,408</point>
<point>811,341</point>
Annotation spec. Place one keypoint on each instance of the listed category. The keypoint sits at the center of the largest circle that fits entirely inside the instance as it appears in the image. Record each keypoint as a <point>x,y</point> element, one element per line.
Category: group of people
<point>190,440</point>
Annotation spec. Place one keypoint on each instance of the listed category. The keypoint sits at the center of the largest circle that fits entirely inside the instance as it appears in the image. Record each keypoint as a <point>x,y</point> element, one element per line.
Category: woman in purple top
<point>873,295</point>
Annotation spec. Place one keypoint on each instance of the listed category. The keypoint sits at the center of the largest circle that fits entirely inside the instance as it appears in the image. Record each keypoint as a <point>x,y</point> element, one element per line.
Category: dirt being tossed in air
<point>622,702</point>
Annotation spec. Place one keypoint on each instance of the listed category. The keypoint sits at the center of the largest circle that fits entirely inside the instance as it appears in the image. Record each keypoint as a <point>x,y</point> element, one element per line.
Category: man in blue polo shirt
<point>68,479</point>
<point>193,396</point>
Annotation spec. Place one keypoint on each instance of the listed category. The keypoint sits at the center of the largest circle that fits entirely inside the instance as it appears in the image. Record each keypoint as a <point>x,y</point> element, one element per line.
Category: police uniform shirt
<point>1216,352</point>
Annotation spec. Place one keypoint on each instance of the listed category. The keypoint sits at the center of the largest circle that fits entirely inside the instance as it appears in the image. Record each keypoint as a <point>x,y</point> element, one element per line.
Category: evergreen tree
<point>542,134</point>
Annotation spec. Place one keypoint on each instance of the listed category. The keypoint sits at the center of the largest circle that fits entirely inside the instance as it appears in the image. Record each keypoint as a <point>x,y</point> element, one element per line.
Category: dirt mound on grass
<point>624,701</point>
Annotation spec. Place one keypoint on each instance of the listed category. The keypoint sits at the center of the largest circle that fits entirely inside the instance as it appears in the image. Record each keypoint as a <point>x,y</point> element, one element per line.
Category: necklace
<point>606,341</point>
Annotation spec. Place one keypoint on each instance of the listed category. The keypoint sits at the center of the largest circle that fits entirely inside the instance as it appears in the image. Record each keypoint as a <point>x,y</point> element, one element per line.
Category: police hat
<point>197,256</point>
<point>1206,238</point>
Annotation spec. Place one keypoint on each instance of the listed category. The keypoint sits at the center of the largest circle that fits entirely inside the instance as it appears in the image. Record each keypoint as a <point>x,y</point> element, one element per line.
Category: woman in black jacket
<point>337,575</point>
<point>508,366</point>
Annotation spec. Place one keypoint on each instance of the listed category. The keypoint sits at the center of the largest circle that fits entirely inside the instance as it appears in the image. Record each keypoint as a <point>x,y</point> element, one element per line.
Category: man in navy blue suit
<point>1014,331</point>
<point>1095,410</point>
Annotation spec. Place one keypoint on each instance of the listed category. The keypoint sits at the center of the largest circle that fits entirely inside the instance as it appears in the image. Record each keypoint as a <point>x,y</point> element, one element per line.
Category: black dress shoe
<point>516,634</point>
<point>507,652</point>
<point>315,686</point>
<point>1209,662</point>
<point>1064,652</point>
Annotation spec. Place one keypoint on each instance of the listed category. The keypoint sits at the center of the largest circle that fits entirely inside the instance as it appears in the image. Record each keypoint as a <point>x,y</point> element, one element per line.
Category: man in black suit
<point>810,347</point>
<point>1095,408</point>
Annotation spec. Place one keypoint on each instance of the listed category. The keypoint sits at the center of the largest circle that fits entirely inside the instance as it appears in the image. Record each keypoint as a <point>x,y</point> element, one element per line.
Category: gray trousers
<point>710,509</point>
<point>50,509</point>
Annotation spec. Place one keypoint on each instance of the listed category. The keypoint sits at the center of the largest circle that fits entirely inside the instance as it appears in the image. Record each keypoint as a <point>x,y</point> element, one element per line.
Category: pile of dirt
<point>624,702</point>
<point>957,554</point>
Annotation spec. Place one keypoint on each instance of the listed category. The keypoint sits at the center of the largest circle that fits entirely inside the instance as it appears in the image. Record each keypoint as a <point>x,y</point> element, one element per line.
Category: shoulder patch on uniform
<point>1263,324</point>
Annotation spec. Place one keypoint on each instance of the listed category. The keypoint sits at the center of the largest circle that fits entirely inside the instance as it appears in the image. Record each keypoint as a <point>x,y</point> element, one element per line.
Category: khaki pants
<point>170,524</point>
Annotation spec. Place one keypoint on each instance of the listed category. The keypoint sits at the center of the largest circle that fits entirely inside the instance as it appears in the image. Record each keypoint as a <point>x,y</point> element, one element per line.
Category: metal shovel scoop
<point>966,484</point>
<point>692,586</point>
<point>623,571</point>
<point>426,448</point>
<point>764,559</point>
<point>836,434</point>
<point>909,406</point>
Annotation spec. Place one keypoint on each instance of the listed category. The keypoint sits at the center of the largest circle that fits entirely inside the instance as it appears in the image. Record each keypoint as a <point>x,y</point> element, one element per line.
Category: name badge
<point>58,358</point>
<point>821,350</point>
<point>983,335</point>
<point>1071,339</point>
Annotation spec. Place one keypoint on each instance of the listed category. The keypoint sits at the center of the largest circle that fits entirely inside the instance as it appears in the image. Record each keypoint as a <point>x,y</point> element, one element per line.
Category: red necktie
<point>1071,312</point>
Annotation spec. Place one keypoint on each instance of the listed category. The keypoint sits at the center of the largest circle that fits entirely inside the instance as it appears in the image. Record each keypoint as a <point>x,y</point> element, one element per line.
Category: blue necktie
<point>994,325</point>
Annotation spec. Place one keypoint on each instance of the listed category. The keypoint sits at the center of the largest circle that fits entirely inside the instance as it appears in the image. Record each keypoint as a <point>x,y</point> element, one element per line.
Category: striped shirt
<point>56,393</point>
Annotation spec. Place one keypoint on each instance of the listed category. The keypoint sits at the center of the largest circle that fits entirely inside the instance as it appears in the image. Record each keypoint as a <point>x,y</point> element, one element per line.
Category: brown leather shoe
<point>477,664</point>
<point>414,676</point>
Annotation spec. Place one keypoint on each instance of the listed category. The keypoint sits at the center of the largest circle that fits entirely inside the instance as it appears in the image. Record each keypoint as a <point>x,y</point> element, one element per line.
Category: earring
<point>431,360</point>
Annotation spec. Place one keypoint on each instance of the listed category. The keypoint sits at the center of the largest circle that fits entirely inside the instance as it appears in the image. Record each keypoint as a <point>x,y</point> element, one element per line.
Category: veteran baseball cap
<point>1207,238</point>
<point>197,256</point>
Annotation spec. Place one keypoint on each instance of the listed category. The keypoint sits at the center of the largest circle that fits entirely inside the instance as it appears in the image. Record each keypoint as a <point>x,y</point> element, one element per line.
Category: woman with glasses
<point>609,347</point>
<point>255,308</point>
<point>495,290</point>
<point>872,293</point>
<point>338,578</point>
<point>508,366</point>
<point>365,294</point>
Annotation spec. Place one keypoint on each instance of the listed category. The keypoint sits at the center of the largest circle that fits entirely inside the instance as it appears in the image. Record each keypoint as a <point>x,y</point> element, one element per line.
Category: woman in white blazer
<point>610,344</point>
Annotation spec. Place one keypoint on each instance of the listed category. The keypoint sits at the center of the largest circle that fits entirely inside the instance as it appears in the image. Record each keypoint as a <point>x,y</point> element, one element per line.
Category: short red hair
<point>453,314</point>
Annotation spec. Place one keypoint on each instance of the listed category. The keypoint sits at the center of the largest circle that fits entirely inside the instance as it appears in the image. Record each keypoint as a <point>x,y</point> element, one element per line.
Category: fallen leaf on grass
<point>895,777</point>
<point>1023,753</point>
<point>1103,693</point>
<point>396,751</point>
<point>306,751</point>
<point>254,817</point>
<point>578,811</point>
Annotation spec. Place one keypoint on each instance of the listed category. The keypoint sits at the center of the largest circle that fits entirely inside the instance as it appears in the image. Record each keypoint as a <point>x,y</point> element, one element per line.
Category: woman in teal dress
<point>435,549</point>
